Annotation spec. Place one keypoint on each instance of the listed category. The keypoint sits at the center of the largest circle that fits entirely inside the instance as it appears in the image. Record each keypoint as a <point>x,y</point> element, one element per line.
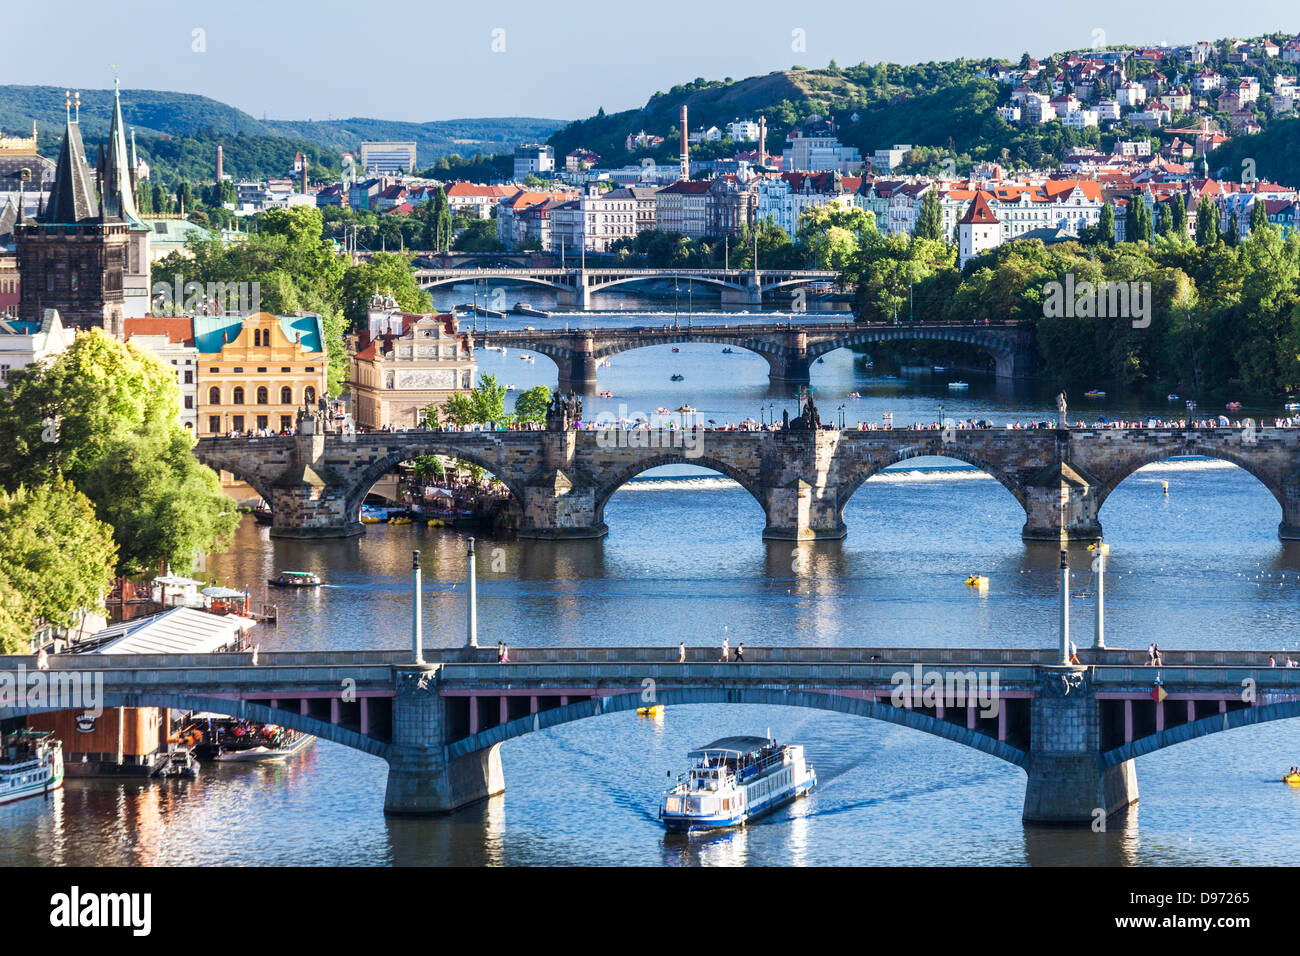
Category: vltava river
<point>1201,567</point>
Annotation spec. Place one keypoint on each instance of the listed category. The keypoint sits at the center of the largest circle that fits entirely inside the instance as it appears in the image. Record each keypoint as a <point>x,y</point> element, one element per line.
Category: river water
<point>684,560</point>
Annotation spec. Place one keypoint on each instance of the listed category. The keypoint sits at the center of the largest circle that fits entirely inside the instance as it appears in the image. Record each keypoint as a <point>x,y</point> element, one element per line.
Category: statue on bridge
<point>1061,420</point>
<point>563,411</point>
<point>809,420</point>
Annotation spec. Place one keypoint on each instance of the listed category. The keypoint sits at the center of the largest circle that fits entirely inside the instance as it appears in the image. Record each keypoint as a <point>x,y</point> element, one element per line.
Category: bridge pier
<point>1289,528</point>
<point>555,505</point>
<point>751,294</point>
<point>1061,504</point>
<point>791,364</point>
<point>798,509</point>
<point>421,780</point>
<point>578,373</point>
<point>1068,784</point>
<point>308,500</point>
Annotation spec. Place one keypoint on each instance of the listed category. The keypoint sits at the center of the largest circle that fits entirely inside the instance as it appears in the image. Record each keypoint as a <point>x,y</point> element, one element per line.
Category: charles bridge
<point>561,479</point>
<point>789,349</point>
<point>1074,729</point>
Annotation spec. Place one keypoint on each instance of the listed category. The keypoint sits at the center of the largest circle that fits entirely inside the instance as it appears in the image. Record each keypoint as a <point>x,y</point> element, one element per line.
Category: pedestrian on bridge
<point>726,649</point>
<point>681,653</point>
<point>740,653</point>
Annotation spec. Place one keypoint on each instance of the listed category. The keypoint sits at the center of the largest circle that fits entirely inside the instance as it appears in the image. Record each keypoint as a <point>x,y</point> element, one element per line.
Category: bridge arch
<point>1001,349</point>
<point>817,700</point>
<point>1216,723</point>
<point>232,707</point>
<point>426,282</point>
<point>219,463</point>
<point>935,448</point>
<point>383,464</point>
<point>1128,467</point>
<point>602,286</point>
<point>609,485</point>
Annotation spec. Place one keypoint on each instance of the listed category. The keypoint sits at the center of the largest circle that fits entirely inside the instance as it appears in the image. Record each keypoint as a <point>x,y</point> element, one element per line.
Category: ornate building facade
<point>403,363</point>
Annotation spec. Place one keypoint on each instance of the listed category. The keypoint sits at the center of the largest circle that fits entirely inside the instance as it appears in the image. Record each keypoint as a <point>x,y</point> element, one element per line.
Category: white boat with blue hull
<point>734,780</point>
<point>31,764</point>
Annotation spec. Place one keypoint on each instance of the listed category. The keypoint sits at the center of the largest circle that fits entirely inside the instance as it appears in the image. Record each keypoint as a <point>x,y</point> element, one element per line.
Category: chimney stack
<point>762,141</point>
<point>686,159</point>
<point>304,176</point>
<point>219,175</point>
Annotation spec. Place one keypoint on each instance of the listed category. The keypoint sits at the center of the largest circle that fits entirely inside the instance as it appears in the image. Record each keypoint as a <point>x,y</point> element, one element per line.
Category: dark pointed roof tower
<point>116,179</point>
<point>72,198</point>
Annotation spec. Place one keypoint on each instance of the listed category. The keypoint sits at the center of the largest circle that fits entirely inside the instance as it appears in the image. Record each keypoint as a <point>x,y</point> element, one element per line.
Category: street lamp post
<point>1065,606</point>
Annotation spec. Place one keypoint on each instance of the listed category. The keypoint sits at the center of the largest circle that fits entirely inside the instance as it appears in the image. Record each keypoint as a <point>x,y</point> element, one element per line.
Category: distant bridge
<point>574,286</point>
<point>789,348</point>
<point>1074,730</point>
<point>561,480</point>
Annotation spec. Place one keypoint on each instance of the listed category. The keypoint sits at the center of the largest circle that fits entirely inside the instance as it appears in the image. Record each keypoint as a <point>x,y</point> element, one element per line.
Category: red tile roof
<point>179,330</point>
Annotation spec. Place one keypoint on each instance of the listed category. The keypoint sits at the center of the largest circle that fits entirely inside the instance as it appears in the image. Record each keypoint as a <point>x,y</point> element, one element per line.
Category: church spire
<point>72,198</point>
<point>116,180</point>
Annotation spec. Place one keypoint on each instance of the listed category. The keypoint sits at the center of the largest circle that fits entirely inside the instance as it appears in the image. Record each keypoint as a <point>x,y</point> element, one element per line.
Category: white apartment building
<point>783,203</point>
<point>594,221</point>
<point>884,160</point>
<point>817,153</point>
<point>533,159</point>
<point>1108,110</point>
<point>1131,95</point>
<point>743,131</point>
<point>22,343</point>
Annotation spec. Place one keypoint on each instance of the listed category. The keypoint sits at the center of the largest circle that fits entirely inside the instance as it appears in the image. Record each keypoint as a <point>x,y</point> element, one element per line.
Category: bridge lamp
<point>471,609</point>
<point>417,611</point>
<point>1065,606</point>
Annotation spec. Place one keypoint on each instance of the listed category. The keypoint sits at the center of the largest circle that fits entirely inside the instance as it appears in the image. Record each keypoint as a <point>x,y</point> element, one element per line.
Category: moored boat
<point>734,780</point>
<point>231,740</point>
<point>1094,393</point>
<point>958,386</point>
<point>31,764</point>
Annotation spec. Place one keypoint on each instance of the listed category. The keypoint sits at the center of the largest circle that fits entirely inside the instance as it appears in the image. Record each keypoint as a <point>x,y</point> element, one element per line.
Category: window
<point>238,371</point>
<point>263,397</point>
<point>214,370</point>
<point>261,421</point>
<point>311,368</point>
<point>285,368</point>
<point>214,424</point>
<point>237,422</point>
<point>214,396</point>
<point>238,397</point>
<point>189,376</point>
<point>286,395</point>
<point>286,422</point>
<point>189,401</point>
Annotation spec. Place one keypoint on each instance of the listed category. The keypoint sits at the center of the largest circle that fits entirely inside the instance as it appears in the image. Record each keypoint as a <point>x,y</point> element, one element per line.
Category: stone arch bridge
<point>789,349</point>
<point>562,480</point>
<point>1074,730</point>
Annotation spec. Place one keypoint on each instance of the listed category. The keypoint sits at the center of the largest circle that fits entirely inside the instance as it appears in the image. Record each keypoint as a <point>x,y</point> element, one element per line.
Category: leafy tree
<point>1207,222</point>
<point>929,224</point>
<point>55,554</point>
<point>531,406</point>
<point>385,272</point>
<point>485,403</point>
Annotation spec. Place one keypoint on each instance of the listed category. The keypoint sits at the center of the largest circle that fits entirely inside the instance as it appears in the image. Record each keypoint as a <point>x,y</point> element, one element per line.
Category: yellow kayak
<point>656,711</point>
<point>1293,779</point>
<point>399,520</point>
<point>977,581</point>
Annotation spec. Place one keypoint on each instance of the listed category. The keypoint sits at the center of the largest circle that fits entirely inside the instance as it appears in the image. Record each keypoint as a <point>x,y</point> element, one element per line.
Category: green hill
<point>252,147</point>
<point>1275,151</point>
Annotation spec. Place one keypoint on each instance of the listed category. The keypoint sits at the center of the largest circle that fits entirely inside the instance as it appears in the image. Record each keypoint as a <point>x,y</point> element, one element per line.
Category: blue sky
<point>421,61</point>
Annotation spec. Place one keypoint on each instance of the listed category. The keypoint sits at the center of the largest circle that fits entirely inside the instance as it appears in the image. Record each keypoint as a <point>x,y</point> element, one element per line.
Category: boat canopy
<point>296,574</point>
<point>732,747</point>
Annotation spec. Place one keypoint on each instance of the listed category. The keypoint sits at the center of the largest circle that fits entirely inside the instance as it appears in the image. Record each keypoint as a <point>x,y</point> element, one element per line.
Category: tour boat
<point>295,579</point>
<point>733,780</point>
<point>1094,393</point>
<point>31,763</point>
<point>957,386</point>
<point>687,409</point>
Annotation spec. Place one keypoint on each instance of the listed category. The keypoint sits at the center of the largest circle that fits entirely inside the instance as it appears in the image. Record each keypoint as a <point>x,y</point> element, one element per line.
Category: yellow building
<point>402,363</point>
<point>256,371</point>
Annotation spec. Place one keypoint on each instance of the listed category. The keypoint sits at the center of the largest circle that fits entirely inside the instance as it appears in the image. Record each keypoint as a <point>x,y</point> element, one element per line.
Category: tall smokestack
<point>304,176</point>
<point>762,141</point>
<point>219,171</point>
<point>686,158</point>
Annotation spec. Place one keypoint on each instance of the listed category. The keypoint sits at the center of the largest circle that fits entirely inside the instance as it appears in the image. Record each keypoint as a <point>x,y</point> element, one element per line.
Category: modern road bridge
<point>574,286</point>
<point>561,480</point>
<point>1074,730</point>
